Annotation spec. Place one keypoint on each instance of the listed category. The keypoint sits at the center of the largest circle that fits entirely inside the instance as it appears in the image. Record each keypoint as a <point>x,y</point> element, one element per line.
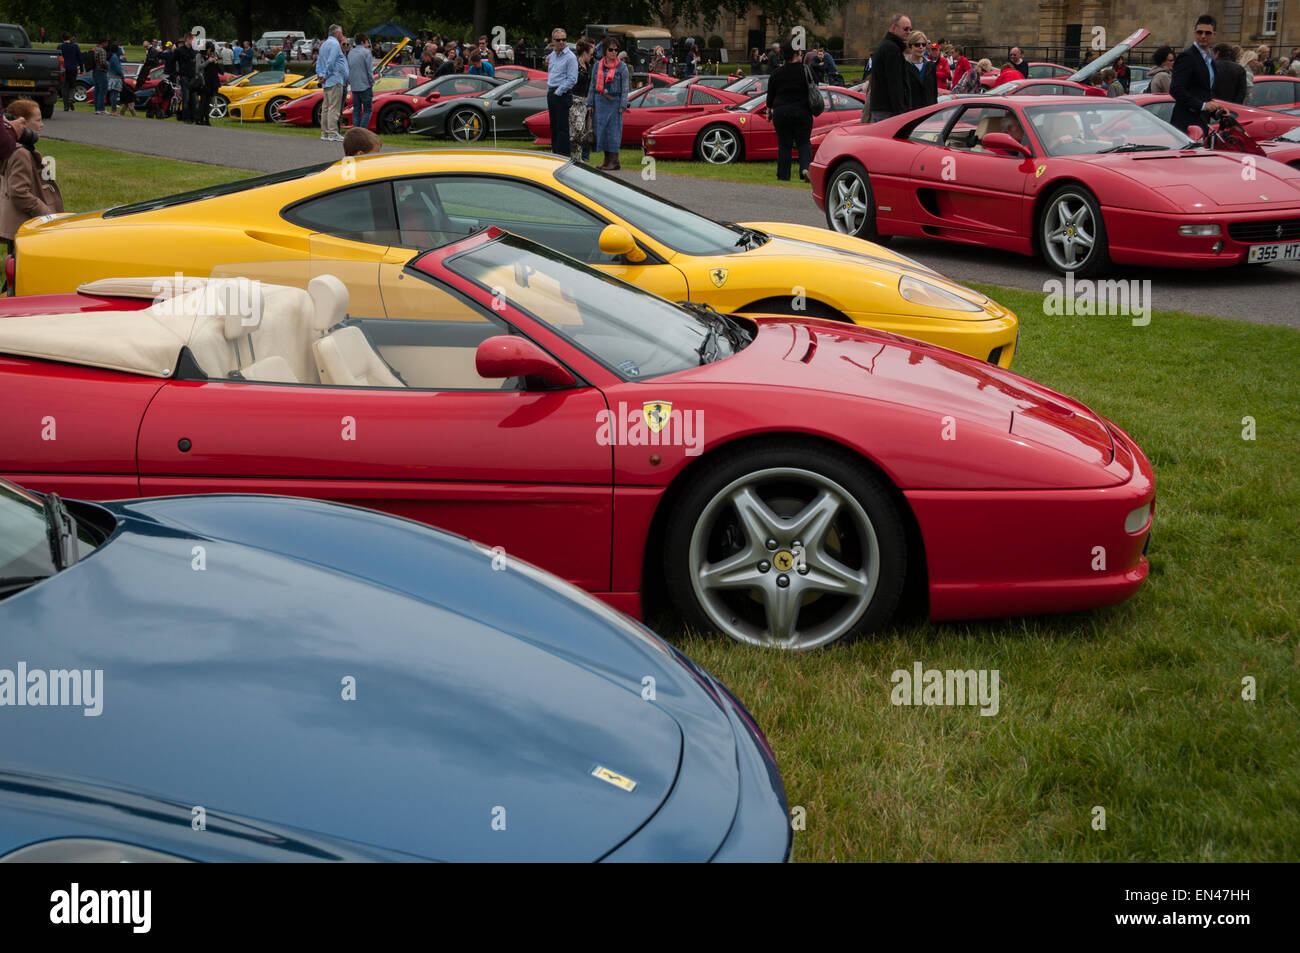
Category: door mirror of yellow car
<point>617,240</point>
<point>510,355</point>
<point>1004,143</point>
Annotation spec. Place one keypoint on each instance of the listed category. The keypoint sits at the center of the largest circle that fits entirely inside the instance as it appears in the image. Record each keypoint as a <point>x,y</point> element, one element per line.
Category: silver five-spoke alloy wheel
<point>848,202</point>
<point>719,145</point>
<point>784,557</point>
<point>1070,231</point>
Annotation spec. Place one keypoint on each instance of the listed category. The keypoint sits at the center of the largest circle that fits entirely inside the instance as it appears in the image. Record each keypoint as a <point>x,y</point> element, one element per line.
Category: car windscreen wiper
<point>736,333</point>
<point>1135,147</point>
<point>750,237</point>
<point>11,584</point>
<point>61,529</point>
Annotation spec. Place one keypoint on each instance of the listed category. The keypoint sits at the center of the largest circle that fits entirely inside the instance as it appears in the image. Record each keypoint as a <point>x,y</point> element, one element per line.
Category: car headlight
<point>1137,519</point>
<point>1191,231</point>
<point>932,296</point>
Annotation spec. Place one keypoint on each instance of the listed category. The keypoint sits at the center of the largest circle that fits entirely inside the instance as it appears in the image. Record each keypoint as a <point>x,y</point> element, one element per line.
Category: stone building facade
<point>1050,25</point>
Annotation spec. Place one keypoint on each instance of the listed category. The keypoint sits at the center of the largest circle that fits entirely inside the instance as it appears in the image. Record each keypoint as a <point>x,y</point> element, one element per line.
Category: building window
<point>1270,17</point>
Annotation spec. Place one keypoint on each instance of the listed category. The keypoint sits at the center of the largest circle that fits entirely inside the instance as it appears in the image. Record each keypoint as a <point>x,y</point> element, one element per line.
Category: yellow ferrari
<point>265,103</point>
<point>244,86</point>
<point>365,218</point>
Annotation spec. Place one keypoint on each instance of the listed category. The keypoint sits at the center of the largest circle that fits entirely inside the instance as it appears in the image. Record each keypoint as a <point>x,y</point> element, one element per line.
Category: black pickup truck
<point>25,72</point>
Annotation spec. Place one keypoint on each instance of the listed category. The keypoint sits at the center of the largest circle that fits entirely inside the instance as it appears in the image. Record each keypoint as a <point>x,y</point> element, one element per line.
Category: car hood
<point>822,247</point>
<point>893,397</point>
<point>1217,178</point>
<point>229,629</point>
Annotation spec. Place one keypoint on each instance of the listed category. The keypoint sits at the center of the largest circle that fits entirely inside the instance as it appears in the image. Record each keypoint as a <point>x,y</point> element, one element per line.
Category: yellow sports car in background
<point>364,219</point>
<point>263,103</point>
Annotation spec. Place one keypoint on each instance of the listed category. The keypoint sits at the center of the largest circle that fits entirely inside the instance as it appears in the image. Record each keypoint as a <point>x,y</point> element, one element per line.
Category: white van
<point>272,40</point>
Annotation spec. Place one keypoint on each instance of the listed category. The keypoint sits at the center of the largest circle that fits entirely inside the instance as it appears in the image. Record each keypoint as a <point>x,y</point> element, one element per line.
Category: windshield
<point>532,88</point>
<point>302,82</point>
<point>634,333</point>
<point>1005,89</point>
<point>753,105</point>
<point>28,541</point>
<point>1292,135</point>
<point>1102,127</point>
<point>666,222</point>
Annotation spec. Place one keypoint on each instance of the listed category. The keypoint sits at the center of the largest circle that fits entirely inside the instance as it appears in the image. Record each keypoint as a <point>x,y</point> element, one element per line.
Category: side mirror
<point>505,99</point>
<point>1004,143</point>
<point>510,355</point>
<point>1195,133</point>
<point>617,240</point>
<point>432,96</point>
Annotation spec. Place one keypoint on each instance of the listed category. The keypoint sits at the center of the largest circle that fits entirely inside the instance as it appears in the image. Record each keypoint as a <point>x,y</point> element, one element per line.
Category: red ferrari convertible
<point>305,110</point>
<point>650,106</point>
<point>1083,182</point>
<point>780,480</point>
<point>739,132</point>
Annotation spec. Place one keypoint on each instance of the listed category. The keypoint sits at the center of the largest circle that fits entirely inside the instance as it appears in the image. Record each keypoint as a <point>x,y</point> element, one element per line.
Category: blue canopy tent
<point>391,31</point>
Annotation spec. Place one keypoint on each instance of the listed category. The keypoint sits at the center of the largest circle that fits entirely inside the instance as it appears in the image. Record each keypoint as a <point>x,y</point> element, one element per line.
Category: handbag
<point>815,102</point>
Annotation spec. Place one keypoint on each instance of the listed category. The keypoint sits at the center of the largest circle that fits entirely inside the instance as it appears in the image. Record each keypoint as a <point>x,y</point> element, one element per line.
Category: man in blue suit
<point>1192,84</point>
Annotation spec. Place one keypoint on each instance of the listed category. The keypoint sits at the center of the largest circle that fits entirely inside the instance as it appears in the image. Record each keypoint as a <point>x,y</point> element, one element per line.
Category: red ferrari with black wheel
<point>649,106</point>
<point>740,132</point>
<point>784,479</point>
<point>1083,182</point>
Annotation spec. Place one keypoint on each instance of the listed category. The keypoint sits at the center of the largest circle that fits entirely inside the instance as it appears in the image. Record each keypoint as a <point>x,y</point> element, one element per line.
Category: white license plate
<point>1287,251</point>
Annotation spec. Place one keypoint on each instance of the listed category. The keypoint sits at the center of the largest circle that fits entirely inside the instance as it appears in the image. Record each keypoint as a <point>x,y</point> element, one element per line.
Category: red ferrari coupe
<point>780,480</point>
<point>515,72</point>
<point>1083,182</point>
<point>650,106</point>
<point>739,132</point>
<point>1038,87</point>
<point>1275,92</point>
<point>392,112</point>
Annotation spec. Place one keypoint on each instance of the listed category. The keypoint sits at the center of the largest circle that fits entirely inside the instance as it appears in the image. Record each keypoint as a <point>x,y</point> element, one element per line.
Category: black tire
<point>1077,204</point>
<point>786,473</point>
<point>394,119</point>
<point>848,186</point>
<point>719,144</point>
<point>273,107</point>
<point>315,113</point>
<point>460,128</point>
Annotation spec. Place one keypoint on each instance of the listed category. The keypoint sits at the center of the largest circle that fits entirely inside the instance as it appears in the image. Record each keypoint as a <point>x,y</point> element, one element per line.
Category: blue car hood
<point>230,631</point>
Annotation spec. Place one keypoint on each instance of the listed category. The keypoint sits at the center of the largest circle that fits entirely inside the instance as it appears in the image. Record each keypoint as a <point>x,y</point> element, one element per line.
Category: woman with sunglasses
<point>607,98</point>
<point>922,75</point>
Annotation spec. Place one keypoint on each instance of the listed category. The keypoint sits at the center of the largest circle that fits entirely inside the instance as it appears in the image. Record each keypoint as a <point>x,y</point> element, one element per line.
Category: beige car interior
<point>283,335</point>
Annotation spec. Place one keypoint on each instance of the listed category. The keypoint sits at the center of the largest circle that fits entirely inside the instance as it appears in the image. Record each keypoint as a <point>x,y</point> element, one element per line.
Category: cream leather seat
<point>346,359</point>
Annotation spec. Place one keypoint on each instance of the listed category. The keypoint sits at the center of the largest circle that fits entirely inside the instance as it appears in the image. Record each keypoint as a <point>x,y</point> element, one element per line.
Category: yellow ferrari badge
<point>718,276</point>
<point>613,777</point>
<point>1038,173</point>
<point>656,413</point>
<point>783,561</point>
<point>741,120</point>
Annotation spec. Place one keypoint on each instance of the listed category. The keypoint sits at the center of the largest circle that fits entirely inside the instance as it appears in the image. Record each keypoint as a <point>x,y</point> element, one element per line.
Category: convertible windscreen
<point>634,333</point>
<point>678,228</point>
<point>212,191</point>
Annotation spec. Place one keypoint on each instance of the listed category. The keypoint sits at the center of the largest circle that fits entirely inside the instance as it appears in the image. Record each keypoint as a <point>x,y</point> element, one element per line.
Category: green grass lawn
<point>1136,708</point>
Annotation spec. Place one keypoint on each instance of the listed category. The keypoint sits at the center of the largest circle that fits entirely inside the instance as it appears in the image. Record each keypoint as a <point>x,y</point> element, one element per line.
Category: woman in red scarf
<point>607,98</point>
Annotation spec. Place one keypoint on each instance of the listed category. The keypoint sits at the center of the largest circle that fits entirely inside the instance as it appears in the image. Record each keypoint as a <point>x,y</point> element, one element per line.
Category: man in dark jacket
<point>1192,85</point>
<point>71,54</point>
<point>185,68</point>
<point>889,89</point>
<point>1230,77</point>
